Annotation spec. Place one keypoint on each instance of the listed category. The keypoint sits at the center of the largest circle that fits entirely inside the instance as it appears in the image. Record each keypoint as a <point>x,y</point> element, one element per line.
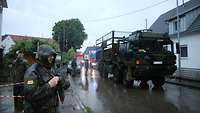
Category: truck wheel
<point>144,84</point>
<point>100,69</point>
<point>127,83</point>
<point>158,82</point>
<point>116,73</point>
<point>105,73</point>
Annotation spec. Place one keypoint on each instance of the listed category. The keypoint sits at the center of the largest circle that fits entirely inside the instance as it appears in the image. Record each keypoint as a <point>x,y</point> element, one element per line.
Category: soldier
<point>86,66</point>
<point>19,68</point>
<point>43,88</point>
<point>74,66</point>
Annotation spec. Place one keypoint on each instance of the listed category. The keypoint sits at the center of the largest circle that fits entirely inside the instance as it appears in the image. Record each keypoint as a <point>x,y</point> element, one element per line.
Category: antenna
<point>183,2</point>
<point>37,56</point>
<point>146,23</point>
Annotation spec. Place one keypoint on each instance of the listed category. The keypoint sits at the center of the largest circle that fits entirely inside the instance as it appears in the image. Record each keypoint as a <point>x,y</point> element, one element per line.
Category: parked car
<point>73,70</point>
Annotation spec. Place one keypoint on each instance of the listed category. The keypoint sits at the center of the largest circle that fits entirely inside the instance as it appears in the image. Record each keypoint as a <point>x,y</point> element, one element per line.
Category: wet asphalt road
<point>6,103</point>
<point>104,96</point>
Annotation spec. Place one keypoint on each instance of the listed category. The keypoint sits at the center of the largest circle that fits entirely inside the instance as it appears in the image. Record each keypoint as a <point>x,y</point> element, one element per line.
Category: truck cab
<point>148,56</point>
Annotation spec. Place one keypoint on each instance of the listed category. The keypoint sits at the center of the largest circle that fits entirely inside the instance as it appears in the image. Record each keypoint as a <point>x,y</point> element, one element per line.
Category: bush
<point>87,109</point>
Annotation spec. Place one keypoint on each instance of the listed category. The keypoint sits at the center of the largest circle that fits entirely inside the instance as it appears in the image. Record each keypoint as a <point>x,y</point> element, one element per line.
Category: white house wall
<point>7,44</point>
<point>193,45</point>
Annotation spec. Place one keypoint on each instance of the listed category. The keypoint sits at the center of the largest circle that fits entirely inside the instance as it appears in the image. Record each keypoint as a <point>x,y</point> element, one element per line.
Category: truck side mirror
<point>177,48</point>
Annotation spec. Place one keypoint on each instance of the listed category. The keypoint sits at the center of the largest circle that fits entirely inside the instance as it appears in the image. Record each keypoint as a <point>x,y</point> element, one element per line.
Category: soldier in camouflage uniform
<point>86,66</point>
<point>43,88</point>
<point>19,68</point>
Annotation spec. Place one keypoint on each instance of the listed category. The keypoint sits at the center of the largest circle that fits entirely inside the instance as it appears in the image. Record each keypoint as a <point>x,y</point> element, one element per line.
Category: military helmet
<point>18,52</point>
<point>44,52</point>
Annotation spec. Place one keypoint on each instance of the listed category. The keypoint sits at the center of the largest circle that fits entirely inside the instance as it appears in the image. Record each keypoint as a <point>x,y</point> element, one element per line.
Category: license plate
<point>157,62</point>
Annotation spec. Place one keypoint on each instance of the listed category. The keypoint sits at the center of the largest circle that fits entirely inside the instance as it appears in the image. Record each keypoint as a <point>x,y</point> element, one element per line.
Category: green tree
<point>28,47</point>
<point>69,33</point>
<point>69,55</point>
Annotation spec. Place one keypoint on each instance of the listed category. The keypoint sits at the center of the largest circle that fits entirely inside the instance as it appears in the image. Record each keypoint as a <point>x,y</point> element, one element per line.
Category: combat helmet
<point>44,52</point>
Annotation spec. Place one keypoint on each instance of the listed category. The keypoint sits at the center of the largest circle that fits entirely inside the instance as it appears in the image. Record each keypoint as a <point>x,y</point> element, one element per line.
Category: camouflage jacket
<point>19,68</point>
<point>39,96</point>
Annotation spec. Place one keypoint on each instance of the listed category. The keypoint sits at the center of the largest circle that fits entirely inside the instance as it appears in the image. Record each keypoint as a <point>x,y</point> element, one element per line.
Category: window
<point>175,26</point>
<point>184,51</point>
<point>182,24</point>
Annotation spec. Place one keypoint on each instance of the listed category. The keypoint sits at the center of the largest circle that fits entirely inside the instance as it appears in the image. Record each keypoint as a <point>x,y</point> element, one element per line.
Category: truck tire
<point>158,82</point>
<point>102,70</point>
<point>144,84</point>
<point>117,74</point>
<point>126,83</point>
<point>105,72</point>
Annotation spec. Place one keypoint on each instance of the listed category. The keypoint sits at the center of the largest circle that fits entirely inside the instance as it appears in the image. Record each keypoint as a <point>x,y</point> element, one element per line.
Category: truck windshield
<point>152,45</point>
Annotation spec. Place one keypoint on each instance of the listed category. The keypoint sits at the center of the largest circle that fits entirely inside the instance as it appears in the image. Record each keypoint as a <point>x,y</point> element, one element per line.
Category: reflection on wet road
<point>6,103</point>
<point>103,96</point>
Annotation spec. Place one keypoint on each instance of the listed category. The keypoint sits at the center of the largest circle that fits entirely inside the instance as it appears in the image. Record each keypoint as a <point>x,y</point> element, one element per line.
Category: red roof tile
<point>18,38</point>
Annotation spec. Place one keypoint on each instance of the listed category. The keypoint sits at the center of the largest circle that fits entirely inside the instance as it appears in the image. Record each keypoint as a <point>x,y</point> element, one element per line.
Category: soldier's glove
<point>64,83</point>
<point>54,81</point>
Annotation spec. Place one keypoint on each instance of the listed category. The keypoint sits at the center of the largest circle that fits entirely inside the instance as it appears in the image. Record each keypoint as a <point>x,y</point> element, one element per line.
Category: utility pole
<point>3,4</point>
<point>1,17</point>
<point>178,38</point>
<point>38,46</point>
<point>63,44</point>
<point>146,23</point>
<point>1,47</point>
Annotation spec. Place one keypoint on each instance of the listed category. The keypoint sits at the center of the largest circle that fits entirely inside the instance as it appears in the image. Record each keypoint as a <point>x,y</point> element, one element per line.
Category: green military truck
<point>140,55</point>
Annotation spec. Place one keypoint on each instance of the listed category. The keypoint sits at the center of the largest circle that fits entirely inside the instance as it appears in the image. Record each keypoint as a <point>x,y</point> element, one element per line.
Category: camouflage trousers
<point>18,101</point>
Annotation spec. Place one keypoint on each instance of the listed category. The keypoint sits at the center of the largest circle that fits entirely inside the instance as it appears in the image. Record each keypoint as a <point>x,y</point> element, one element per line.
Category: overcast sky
<point>37,17</point>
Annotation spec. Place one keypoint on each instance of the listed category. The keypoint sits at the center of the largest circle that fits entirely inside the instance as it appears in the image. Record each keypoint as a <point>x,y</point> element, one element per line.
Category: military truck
<point>140,55</point>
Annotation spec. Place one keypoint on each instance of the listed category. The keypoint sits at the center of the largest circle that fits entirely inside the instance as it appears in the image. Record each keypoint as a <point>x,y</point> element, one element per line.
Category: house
<point>79,55</point>
<point>10,40</point>
<point>189,14</point>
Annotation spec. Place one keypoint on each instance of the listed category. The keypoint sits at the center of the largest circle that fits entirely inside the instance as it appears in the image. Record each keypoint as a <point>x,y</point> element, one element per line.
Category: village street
<point>104,96</point>
<point>118,56</point>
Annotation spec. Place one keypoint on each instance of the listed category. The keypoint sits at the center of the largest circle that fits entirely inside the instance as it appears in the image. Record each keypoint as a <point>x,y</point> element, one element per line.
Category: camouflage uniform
<point>39,96</point>
<point>19,67</point>
<point>86,66</point>
<point>74,66</point>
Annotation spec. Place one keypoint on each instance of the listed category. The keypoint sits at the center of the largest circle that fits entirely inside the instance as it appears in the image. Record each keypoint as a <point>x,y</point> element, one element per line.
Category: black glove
<point>64,83</point>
